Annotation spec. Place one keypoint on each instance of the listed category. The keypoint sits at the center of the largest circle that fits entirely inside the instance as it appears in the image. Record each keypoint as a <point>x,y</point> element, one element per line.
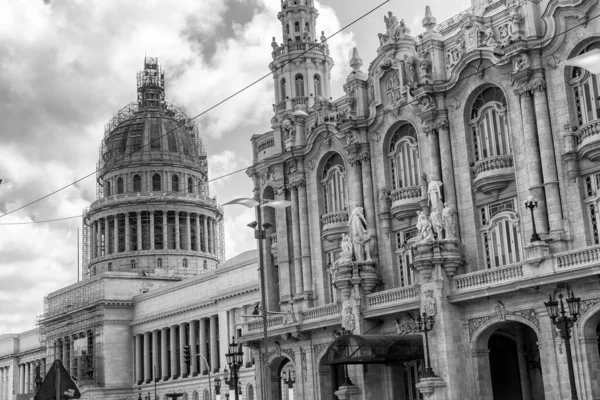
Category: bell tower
<point>301,64</point>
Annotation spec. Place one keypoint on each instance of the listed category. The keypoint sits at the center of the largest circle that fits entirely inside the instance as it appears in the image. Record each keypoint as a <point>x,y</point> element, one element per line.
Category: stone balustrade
<point>488,277</point>
<point>413,192</point>
<point>281,105</point>
<point>257,326</point>
<point>405,201</point>
<point>266,144</point>
<point>493,174</point>
<point>391,296</point>
<point>323,312</point>
<point>334,225</point>
<point>144,196</point>
<point>578,258</point>
<point>300,100</point>
<point>588,139</point>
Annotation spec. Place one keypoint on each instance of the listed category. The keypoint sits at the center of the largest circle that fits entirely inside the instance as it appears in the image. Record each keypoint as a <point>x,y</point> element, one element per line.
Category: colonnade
<point>5,381</point>
<point>159,353</point>
<point>153,230</point>
<point>26,377</point>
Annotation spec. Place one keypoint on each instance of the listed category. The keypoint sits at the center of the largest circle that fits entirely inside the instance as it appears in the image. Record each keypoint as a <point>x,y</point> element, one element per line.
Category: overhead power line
<point>492,65</point>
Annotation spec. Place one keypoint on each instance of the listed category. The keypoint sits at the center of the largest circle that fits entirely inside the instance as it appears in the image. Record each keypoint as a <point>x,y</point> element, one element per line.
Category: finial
<point>429,21</point>
<point>356,62</point>
<point>323,37</point>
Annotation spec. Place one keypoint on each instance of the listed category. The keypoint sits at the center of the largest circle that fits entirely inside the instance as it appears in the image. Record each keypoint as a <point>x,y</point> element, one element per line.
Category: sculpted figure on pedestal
<point>346,253</point>
<point>361,240</point>
<point>424,227</point>
<point>436,222</point>
<point>449,223</point>
<point>434,191</point>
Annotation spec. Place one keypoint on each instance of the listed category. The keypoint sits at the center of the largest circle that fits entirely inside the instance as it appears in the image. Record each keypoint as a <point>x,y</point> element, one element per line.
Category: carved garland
<point>500,314</point>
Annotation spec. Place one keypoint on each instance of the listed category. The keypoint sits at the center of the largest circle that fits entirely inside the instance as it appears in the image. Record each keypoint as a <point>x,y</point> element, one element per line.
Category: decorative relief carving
<point>520,62</point>
<point>500,314</point>
<point>587,304</point>
<point>429,306</point>
<point>405,326</point>
<point>319,348</point>
<point>410,76</point>
<point>489,39</point>
<point>393,89</point>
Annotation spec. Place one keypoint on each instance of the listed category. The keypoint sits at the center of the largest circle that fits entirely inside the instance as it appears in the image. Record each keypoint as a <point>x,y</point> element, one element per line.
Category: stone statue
<point>410,77</point>
<point>358,231</point>
<point>436,221</point>
<point>449,223</point>
<point>394,30</point>
<point>434,191</point>
<point>346,254</point>
<point>424,227</point>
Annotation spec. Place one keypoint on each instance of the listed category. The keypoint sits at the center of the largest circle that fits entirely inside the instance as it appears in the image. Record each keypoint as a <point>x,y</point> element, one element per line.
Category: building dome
<point>153,213</point>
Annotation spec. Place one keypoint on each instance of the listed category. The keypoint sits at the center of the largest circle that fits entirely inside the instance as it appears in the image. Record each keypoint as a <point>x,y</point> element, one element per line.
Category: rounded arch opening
<point>299,81</point>
<point>507,360</point>
<point>156,183</point>
<point>137,183</point>
<point>404,164</point>
<point>282,388</point>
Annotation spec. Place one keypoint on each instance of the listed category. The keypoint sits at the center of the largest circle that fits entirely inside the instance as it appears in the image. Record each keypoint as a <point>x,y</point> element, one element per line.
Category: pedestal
<point>430,387</point>
<point>536,252</point>
<point>348,393</point>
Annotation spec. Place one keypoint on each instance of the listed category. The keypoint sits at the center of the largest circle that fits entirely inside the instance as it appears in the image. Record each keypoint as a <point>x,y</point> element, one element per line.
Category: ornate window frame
<point>490,132</point>
<point>334,182</point>
<point>584,89</point>
<point>405,239</point>
<point>404,158</point>
<point>500,231</point>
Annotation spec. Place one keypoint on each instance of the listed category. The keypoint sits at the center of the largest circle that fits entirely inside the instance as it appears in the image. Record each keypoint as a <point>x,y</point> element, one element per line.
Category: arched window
<point>133,264</point>
<point>110,266</point>
<point>159,263</point>
<point>296,26</point>
<point>489,125</point>
<point>299,85</point>
<point>317,88</point>
<point>137,183</point>
<point>156,184</point>
<point>185,263</point>
<point>283,94</point>
<point>175,183</point>
<point>404,241</point>
<point>334,184</point>
<point>94,271</point>
<point>287,29</point>
<point>119,185</point>
<point>107,188</point>
<point>307,27</point>
<point>501,235</point>
<point>250,393</point>
<point>586,90</point>
<point>404,158</point>
<point>205,265</point>
<point>205,396</point>
<point>190,185</point>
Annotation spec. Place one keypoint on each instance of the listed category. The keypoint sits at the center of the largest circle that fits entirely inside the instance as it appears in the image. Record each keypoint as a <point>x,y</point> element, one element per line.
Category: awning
<point>373,349</point>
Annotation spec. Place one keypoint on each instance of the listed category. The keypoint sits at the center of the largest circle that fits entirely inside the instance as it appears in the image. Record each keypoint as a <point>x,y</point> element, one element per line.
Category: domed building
<point>153,211</point>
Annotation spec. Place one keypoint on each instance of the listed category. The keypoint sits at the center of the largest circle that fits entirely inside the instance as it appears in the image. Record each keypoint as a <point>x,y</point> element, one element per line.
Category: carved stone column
<point>197,222</point>
<point>305,240</point>
<point>147,364</point>
<point>177,232</point>
<point>369,200</point>
<point>214,348</point>
<point>193,352</point>
<point>151,212</point>
<point>534,162</point>
<point>127,233</point>
<point>188,232</point>
<point>205,230</point>
<point>182,343</point>
<point>354,182</point>
<point>548,159</point>
<point>203,349</point>
<point>285,263</point>
<point>173,348</point>
<point>139,230</point>
<point>435,165</point>
<point>299,287</point>
<point>165,231</point>
<point>139,372</point>
<point>447,164</point>
<point>155,356</point>
<point>164,354</point>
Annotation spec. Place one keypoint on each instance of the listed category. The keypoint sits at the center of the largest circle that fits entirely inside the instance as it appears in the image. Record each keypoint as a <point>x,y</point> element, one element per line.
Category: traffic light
<point>186,355</point>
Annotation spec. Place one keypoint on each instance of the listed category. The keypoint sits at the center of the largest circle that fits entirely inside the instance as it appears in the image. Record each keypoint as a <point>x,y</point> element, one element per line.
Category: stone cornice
<point>208,303</point>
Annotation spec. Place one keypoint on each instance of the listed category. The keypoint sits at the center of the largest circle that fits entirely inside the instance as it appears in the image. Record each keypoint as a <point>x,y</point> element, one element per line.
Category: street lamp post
<point>425,325</point>
<point>260,234</point>
<point>564,324</point>
<point>532,203</point>
<point>217,386</point>
<point>235,359</point>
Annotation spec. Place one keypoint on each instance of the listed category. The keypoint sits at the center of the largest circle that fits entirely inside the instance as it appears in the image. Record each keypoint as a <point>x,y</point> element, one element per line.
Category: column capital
<point>538,85</point>
<point>443,124</point>
<point>301,182</point>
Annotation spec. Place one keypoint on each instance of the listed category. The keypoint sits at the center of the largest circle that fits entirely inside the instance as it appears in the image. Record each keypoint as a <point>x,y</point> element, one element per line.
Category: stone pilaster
<point>193,348</point>
<point>299,287</point>
<point>182,343</point>
<point>151,229</point>
<point>203,346</point>
<point>305,241</point>
<point>214,348</point>
<point>177,232</point>
<point>147,358</point>
<point>139,230</point>
<point>155,356</point>
<point>127,233</point>
<point>139,371</point>
<point>164,354</point>
<point>285,288</point>
<point>173,348</point>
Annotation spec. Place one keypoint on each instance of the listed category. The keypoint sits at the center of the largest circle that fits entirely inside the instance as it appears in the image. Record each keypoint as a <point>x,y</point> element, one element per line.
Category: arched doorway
<point>589,340</point>
<point>282,375</point>
<point>508,362</point>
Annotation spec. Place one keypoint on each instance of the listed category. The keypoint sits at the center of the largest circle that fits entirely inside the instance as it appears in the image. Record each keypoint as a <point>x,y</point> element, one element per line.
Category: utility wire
<point>311,47</point>
<point>305,145</point>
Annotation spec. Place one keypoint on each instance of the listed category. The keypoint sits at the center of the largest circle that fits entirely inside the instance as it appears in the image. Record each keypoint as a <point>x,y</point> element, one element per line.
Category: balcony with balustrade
<point>335,224</point>
<point>493,174</point>
<point>588,140</point>
<point>405,201</point>
<point>560,267</point>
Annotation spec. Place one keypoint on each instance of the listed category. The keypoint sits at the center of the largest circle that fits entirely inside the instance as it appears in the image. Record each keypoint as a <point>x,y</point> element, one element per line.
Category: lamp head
<point>252,224</point>
<point>266,226</point>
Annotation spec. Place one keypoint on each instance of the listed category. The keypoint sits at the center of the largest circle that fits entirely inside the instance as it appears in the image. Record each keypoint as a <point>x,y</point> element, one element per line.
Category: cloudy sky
<point>67,66</point>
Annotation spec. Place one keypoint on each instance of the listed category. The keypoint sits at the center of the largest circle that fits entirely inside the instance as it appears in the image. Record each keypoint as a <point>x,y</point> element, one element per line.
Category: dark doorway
<point>504,365</point>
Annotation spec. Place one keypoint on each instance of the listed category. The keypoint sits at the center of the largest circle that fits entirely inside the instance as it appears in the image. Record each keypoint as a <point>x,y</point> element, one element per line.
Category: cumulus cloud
<point>67,66</point>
